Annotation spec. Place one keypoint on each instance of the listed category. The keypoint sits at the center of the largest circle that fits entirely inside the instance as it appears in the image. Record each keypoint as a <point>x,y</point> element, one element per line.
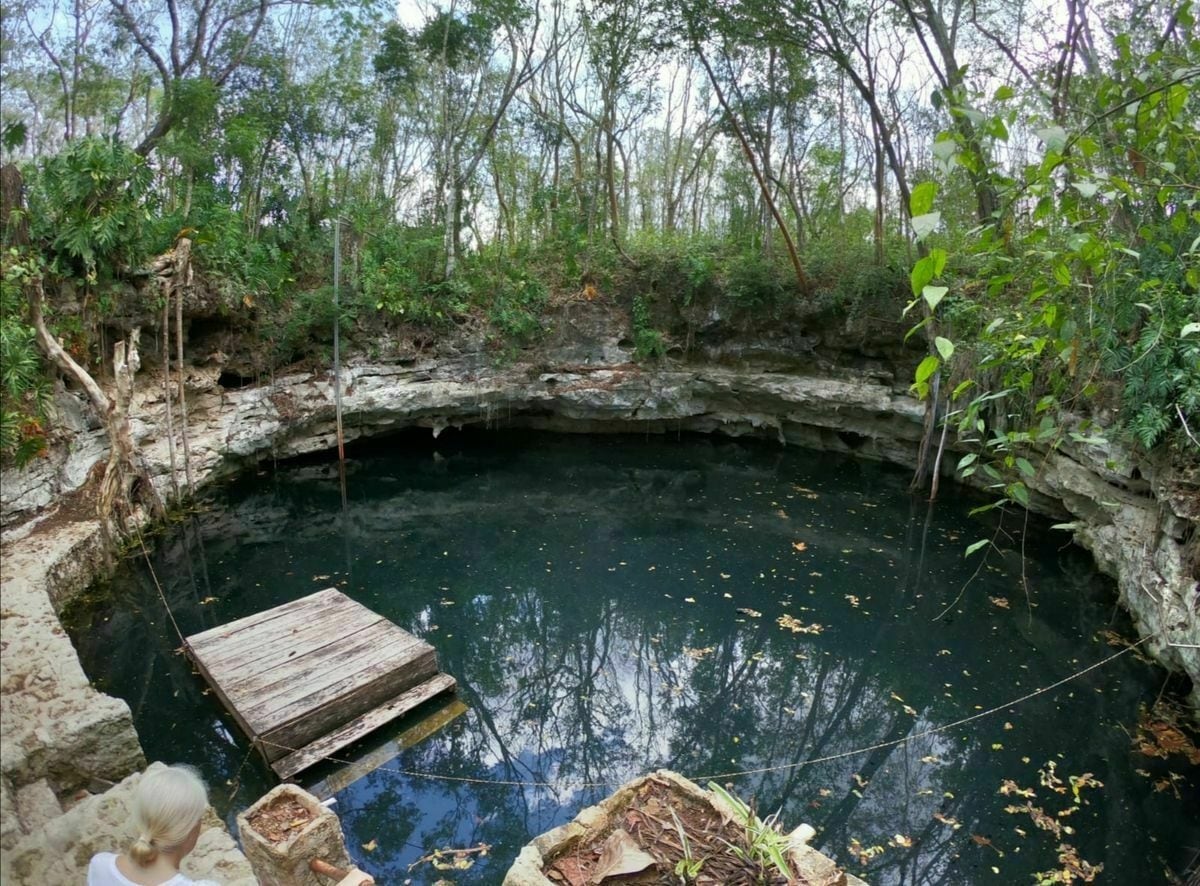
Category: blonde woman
<point>168,806</point>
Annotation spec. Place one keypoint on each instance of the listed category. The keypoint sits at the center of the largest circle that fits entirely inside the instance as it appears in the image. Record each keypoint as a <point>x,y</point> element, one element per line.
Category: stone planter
<point>286,862</point>
<point>594,821</point>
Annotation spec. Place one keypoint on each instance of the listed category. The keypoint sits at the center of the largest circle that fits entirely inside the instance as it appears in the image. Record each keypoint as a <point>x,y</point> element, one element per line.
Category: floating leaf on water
<point>372,846</point>
<point>864,854</point>
<point>1008,788</point>
<point>800,546</point>
<point>753,613</point>
<point>999,602</point>
<point>981,840</point>
<point>796,626</point>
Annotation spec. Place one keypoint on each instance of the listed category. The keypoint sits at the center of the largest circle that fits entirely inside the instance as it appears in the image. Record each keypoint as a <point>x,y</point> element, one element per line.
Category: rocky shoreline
<point>1138,518</point>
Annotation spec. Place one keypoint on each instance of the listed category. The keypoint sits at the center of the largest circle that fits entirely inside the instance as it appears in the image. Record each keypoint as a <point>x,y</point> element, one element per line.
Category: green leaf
<point>1062,274</point>
<point>974,546</point>
<point>934,294</point>
<point>926,368</point>
<point>944,346</point>
<point>1003,94</point>
<point>918,327</point>
<point>1053,137</point>
<point>967,459</point>
<point>1026,468</point>
<point>1019,493</point>
<point>921,200</point>
<point>926,224</point>
<point>922,273</point>
<point>961,388</point>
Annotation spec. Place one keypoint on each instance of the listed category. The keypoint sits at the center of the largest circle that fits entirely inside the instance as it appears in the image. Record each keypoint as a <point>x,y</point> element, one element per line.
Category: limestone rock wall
<point>1139,520</point>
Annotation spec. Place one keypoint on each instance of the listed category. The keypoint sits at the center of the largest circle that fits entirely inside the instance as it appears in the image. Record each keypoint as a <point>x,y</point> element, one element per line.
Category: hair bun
<point>142,851</point>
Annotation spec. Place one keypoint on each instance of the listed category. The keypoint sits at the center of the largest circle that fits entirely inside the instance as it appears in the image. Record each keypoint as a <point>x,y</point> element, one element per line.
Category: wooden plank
<point>258,694</point>
<point>318,750</point>
<point>220,643</point>
<point>332,706</point>
<point>366,763</point>
<point>229,706</point>
<point>220,632</point>
<point>243,673</point>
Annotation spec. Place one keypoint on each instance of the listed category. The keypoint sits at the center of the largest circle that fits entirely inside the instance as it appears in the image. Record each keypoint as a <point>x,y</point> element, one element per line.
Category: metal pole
<point>337,357</point>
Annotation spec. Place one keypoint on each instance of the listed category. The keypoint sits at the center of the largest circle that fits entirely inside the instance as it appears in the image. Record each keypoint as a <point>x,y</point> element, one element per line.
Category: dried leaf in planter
<point>620,856</point>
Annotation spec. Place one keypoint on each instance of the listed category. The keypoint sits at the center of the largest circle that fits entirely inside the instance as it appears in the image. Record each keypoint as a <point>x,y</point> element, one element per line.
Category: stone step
<point>37,806</point>
<point>60,849</point>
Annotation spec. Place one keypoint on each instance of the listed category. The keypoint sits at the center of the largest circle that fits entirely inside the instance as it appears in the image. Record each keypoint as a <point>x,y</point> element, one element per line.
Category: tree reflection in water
<point>610,606</point>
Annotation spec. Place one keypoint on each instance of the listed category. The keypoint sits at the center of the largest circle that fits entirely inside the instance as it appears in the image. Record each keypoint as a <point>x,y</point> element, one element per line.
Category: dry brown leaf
<point>620,856</point>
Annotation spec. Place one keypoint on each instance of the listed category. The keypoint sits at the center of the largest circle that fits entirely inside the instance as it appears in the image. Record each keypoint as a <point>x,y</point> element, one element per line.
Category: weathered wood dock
<point>312,676</point>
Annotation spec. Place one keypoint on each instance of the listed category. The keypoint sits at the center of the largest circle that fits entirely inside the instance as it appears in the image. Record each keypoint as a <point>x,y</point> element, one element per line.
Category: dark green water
<point>611,605</point>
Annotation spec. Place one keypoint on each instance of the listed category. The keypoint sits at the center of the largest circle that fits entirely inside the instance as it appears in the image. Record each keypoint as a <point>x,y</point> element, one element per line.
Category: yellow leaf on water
<point>372,846</point>
<point>800,546</point>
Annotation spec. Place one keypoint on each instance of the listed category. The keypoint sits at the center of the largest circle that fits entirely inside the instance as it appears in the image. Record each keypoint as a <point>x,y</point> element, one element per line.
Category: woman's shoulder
<point>101,869</point>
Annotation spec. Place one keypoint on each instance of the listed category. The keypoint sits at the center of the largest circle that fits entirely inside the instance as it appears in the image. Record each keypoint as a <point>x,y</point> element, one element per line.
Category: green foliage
<point>648,342</point>
<point>517,303</point>
<point>402,276</point>
<point>259,267</point>
<point>305,326</point>
<point>24,390</point>
<point>1086,285</point>
<point>766,846</point>
<point>688,868</point>
<point>88,205</point>
<point>753,283</point>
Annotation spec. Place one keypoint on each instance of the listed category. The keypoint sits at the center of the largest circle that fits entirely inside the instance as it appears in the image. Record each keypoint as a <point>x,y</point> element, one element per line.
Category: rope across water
<point>718,776</point>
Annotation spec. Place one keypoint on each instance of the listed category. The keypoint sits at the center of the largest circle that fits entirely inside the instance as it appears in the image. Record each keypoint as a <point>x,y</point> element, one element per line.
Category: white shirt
<point>103,872</point>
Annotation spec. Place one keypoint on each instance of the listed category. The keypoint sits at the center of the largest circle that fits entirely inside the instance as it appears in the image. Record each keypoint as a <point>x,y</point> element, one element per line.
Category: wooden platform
<point>312,676</point>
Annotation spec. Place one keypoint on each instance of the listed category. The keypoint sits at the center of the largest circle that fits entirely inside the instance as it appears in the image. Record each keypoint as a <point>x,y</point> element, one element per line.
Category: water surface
<point>612,605</point>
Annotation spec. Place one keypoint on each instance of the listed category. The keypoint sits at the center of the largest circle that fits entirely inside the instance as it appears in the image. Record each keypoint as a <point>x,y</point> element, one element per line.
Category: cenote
<point>611,605</point>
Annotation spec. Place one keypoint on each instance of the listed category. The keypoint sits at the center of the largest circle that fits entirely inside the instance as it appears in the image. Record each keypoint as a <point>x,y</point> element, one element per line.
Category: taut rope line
<point>433,776</point>
<point>463,779</point>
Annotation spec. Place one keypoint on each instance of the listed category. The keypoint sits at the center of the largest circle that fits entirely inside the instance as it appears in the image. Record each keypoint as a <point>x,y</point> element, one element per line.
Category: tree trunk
<point>127,477</point>
<point>801,277</point>
<point>166,358</point>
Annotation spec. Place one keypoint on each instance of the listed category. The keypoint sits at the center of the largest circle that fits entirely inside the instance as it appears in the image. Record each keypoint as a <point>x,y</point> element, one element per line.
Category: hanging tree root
<point>126,480</point>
